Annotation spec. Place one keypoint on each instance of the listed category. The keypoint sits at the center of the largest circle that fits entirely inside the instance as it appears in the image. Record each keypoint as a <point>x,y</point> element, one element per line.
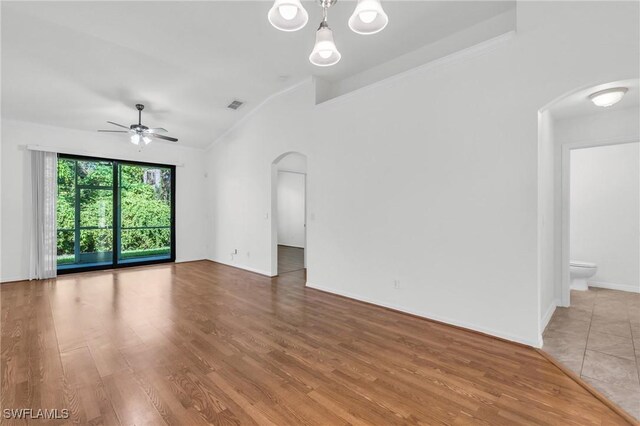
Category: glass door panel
<point>85,213</point>
<point>145,222</point>
<point>96,246</point>
<point>97,173</point>
<point>66,213</point>
<point>113,213</point>
<point>96,225</point>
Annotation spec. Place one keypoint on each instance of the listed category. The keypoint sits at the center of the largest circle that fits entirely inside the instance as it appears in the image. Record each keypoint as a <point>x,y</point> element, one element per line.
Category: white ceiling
<point>78,64</point>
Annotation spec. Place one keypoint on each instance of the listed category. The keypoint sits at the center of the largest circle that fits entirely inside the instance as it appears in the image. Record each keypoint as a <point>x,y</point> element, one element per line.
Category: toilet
<point>579,272</point>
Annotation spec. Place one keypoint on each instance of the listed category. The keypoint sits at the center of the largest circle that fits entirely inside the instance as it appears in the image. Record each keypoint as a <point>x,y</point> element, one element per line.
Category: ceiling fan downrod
<point>140,107</point>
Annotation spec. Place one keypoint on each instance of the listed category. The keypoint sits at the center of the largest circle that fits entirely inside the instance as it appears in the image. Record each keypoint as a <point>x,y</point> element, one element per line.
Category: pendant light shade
<point>135,139</point>
<point>325,53</point>
<point>368,17</point>
<point>288,15</point>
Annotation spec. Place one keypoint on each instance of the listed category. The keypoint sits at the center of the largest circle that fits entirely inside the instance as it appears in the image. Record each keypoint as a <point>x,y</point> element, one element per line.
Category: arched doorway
<point>588,210</point>
<point>562,129</point>
<point>288,213</point>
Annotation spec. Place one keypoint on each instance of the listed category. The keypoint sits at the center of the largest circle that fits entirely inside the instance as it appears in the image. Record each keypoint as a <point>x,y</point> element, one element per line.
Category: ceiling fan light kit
<point>289,15</point>
<point>141,135</point>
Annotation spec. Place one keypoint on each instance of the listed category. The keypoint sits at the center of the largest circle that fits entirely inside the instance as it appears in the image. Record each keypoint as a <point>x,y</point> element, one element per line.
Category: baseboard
<point>448,321</point>
<point>612,286</point>
<point>243,267</point>
<point>13,280</point>
<point>544,321</point>
<point>189,260</point>
<point>288,245</point>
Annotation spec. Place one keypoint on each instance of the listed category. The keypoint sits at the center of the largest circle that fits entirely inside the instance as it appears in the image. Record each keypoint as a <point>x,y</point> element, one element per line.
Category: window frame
<point>115,225</point>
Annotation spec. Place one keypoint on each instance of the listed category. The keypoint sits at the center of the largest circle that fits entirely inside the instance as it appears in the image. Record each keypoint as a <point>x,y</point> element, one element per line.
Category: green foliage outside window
<point>145,201</point>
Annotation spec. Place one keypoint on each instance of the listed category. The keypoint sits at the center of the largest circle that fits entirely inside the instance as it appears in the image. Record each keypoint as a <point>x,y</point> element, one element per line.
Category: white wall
<point>430,179</point>
<point>485,30</point>
<point>291,205</point>
<point>605,212</point>
<point>16,190</point>
<point>239,179</point>
<point>605,125</point>
<point>546,216</point>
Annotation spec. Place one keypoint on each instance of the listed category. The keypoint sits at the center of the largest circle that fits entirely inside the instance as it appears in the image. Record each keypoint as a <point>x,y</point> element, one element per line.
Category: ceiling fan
<point>140,133</point>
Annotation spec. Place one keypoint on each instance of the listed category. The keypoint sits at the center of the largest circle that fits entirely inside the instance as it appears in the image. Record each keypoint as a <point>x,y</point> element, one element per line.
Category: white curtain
<point>44,188</point>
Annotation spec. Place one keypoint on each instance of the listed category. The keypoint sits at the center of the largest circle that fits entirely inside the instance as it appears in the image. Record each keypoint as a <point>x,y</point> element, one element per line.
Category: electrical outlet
<point>396,284</point>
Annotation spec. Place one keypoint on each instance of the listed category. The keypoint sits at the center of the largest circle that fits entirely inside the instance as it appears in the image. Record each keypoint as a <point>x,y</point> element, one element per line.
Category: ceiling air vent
<point>235,104</point>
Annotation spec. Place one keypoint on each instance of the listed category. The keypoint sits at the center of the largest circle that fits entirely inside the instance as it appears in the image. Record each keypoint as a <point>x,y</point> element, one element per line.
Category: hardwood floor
<point>200,343</point>
<point>290,259</point>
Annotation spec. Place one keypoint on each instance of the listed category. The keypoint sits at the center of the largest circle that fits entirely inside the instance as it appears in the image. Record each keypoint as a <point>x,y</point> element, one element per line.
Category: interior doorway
<point>570,123</point>
<point>589,293</point>
<point>289,213</point>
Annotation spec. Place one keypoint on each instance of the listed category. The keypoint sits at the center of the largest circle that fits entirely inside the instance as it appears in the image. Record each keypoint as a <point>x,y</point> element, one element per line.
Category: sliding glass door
<point>145,214</point>
<point>113,213</point>
<point>85,213</point>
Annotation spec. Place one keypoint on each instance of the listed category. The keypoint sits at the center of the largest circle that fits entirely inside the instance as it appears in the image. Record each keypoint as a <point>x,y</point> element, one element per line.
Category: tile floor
<point>598,337</point>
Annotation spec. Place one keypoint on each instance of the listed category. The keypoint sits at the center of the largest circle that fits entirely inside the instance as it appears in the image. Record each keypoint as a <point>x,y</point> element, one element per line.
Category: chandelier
<point>289,15</point>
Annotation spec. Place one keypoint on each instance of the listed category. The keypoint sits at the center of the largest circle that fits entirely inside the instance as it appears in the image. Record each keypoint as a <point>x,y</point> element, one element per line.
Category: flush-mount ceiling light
<point>288,15</point>
<point>608,97</point>
<point>368,18</point>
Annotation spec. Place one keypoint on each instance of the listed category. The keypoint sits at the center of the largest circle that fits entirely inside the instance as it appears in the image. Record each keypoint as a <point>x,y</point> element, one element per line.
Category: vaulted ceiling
<point>78,64</point>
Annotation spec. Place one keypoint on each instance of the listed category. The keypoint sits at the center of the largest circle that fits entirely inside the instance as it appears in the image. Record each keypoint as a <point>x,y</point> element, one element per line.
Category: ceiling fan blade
<point>114,131</point>
<point>167,138</point>
<point>156,130</point>
<point>119,125</point>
